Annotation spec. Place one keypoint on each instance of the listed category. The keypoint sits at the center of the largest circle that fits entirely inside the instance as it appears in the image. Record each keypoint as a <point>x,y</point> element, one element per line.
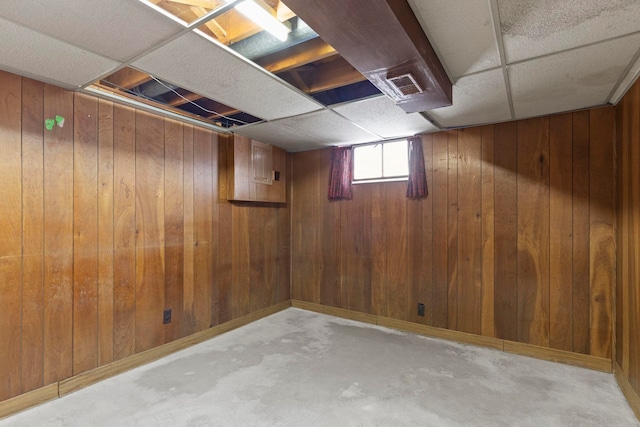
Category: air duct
<point>385,42</point>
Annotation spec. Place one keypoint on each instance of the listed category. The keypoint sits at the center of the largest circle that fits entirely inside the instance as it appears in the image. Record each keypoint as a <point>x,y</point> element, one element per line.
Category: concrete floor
<point>301,368</point>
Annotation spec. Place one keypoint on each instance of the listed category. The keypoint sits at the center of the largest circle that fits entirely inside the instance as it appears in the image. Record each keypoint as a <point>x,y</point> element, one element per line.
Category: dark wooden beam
<point>381,39</point>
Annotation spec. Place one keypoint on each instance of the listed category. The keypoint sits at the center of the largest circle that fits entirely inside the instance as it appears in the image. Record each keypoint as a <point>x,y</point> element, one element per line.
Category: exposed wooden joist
<point>302,54</point>
<point>128,78</point>
<point>283,13</point>
<point>298,82</point>
<point>212,25</point>
<point>223,112</point>
<point>208,4</point>
<point>332,75</point>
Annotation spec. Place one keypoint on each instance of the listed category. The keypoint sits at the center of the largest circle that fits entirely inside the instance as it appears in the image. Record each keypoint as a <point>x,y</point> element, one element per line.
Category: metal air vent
<point>405,84</point>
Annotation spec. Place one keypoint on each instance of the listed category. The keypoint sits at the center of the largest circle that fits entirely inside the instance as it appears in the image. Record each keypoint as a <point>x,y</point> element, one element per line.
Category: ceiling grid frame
<point>615,82</point>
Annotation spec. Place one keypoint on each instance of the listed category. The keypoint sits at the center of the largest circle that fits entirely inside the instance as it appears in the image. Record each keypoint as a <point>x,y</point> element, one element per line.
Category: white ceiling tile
<point>280,136</point>
<point>33,54</point>
<point>381,116</point>
<point>570,80</point>
<point>462,33</point>
<point>532,28</point>
<point>477,99</point>
<point>329,127</point>
<point>197,64</point>
<point>117,29</point>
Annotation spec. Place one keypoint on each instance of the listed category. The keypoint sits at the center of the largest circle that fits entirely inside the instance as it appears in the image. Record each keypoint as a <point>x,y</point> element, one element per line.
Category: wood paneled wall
<point>628,237</point>
<point>109,220</point>
<point>515,241</point>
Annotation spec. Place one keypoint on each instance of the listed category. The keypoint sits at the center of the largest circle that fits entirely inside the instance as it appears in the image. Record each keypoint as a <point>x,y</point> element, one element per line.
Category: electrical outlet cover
<point>166,316</point>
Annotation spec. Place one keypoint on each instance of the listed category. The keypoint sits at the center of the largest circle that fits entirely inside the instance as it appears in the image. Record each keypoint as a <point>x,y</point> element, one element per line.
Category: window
<point>383,161</point>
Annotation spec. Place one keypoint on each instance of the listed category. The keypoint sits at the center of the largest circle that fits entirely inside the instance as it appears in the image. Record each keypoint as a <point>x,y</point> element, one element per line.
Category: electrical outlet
<point>166,316</point>
<point>420,309</point>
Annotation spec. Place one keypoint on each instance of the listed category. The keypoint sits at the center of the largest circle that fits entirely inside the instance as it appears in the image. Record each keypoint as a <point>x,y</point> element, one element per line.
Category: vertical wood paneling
<point>561,228</point>
<point>305,282</point>
<point>602,243</point>
<point>470,230</point>
<point>426,291</point>
<point>581,288</point>
<point>452,230</point>
<point>356,251</point>
<point>124,232</point>
<point>622,240</point>
<point>328,238</point>
<point>503,239</point>
<point>86,273</point>
<point>105,232</point>
<point>415,280</point>
<point>301,244</point>
<point>396,248</point>
<point>283,243</point>
<point>225,284</point>
<point>149,230</point>
<point>214,292</point>
<point>203,211</point>
<point>173,226</point>
<point>85,233</point>
<point>438,192</point>
<point>11,238</point>
<point>258,229</point>
<point>240,251</point>
<point>32,235</point>
<point>506,232</point>
<point>379,262</point>
<point>58,237</point>
<point>188,320</point>
<point>533,231</point>
<point>628,237</point>
<point>634,244</point>
<point>225,261</point>
<point>488,232</point>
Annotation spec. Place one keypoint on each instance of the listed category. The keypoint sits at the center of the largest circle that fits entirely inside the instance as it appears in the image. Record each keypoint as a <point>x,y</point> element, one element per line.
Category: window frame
<point>383,178</point>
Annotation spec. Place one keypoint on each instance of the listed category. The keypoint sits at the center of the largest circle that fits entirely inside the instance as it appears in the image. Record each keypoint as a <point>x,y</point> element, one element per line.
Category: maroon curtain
<point>417,182</point>
<point>341,173</point>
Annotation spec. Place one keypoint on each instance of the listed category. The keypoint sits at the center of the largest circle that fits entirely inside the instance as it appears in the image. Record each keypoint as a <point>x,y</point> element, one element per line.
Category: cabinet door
<point>256,171</point>
<point>261,163</point>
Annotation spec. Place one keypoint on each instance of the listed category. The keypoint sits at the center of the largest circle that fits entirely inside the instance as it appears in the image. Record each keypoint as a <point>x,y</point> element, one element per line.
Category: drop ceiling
<point>507,59</point>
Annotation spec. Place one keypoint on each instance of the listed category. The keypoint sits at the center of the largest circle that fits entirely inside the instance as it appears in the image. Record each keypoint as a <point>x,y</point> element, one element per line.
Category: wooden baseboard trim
<point>333,311</point>
<point>627,390</point>
<point>107,371</point>
<point>85,379</point>
<point>560,356</point>
<point>446,334</point>
<point>28,400</point>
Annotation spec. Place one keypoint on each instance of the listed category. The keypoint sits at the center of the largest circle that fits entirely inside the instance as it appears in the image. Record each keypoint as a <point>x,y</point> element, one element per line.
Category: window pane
<point>367,162</point>
<point>396,159</point>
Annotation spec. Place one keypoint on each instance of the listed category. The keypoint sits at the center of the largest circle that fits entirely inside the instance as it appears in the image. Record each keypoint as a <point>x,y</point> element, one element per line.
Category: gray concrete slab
<point>300,368</point>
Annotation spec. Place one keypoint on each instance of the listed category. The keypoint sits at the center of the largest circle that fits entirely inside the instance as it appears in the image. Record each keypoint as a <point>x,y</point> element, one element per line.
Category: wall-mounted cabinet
<point>256,172</point>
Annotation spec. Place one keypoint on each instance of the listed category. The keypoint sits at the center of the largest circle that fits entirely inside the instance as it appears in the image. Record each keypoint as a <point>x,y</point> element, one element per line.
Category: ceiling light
<point>261,16</point>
